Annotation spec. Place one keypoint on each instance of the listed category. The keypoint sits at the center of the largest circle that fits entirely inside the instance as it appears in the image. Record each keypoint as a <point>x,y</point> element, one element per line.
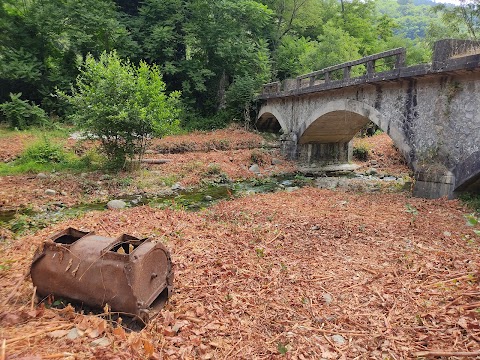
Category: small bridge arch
<point>270,119</point>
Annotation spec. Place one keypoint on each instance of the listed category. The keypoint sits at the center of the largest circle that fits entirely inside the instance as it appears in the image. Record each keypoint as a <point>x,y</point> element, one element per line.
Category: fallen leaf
<point>148,347</point>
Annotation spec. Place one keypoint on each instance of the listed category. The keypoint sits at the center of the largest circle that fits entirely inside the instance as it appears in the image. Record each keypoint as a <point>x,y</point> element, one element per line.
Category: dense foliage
<point>217,53</point>
<point>122,105</point>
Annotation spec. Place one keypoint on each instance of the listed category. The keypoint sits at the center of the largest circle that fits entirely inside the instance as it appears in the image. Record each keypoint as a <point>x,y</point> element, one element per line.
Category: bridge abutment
<point>433,184</point>
<point>317,154</point>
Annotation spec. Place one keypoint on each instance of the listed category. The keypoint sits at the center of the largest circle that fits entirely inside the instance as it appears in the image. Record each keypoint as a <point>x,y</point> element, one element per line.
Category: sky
<point>456,2</point>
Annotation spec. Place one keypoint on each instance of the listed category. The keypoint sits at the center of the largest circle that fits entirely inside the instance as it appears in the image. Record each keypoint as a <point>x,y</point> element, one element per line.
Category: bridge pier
<point>433,184</point>
<point>316,154</point>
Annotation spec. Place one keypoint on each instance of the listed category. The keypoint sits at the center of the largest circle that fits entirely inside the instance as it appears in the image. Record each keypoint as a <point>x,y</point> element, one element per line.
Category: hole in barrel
<point>126,244</point>
<point>69,236</point>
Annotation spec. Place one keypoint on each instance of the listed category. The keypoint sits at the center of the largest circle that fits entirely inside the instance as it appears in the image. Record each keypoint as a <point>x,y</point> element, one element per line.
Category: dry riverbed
<point>299,274</point>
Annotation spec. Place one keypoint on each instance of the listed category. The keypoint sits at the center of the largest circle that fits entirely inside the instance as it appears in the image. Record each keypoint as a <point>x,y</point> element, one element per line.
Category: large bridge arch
<point>267,114</point>
<point>340,120</point>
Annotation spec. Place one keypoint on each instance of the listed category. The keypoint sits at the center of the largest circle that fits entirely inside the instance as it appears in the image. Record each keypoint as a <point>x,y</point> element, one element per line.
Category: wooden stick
<point>155,161</point>
<point>471,306</point>
<point>32,304</point>
<point>447,353</point>
<point>15,289</point>
<point>41,332</point>
<point>56,356</point>
<point>4,350</point>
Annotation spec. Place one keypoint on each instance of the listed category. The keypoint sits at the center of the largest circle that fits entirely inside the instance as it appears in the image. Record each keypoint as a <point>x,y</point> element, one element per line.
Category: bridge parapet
<point>344,70</point>
<point>392,60</point>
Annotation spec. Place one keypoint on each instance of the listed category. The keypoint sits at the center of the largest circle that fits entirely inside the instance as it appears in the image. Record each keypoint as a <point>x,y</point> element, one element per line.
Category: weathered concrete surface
<point>432,116</point>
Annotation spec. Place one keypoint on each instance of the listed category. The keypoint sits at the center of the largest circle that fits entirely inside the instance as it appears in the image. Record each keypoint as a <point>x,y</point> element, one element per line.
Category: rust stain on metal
<point>131,275</point>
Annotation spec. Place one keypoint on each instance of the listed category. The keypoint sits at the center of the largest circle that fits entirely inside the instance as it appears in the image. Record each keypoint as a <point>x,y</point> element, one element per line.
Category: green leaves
<point>21,114</point>
<point>122,105</point>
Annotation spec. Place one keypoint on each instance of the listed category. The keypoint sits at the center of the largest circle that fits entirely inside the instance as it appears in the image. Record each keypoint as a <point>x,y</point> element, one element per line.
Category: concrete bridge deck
<point>431,112</point>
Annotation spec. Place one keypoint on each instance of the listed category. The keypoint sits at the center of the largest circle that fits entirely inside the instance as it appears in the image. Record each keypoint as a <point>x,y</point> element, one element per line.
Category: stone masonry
<point>431,112</point>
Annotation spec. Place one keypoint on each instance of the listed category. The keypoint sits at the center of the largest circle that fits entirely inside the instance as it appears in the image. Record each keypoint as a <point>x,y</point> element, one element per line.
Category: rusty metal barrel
<point>133,276</point>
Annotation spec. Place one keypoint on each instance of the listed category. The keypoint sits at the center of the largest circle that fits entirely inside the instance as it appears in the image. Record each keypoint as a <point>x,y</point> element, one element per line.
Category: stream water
<point>189,199</point>
<point>197,198</point>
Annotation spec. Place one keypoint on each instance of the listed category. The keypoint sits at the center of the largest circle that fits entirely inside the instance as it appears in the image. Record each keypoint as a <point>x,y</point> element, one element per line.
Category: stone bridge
<point>431,112</point>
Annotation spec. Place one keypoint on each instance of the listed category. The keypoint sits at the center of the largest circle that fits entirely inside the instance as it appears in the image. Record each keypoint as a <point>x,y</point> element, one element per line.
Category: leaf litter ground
<point>305,274</point>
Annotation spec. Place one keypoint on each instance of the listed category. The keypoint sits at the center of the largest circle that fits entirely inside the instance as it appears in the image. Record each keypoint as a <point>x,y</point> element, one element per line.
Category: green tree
<point>122,105</point>
<point>464,18</point>
<point>44,41</point>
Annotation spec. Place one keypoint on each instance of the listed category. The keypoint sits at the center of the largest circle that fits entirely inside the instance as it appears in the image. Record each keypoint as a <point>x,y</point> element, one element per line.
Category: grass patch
<point>361,151</point>
<point>56,132</point>
<point>48,156</point>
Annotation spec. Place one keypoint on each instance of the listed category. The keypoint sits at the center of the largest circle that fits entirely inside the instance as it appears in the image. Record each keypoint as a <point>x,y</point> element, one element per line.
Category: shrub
<point>258,157</point>
<point>123,106</point>
<point>21,114</point>
<point>361,152</point>
<point>43,152</point>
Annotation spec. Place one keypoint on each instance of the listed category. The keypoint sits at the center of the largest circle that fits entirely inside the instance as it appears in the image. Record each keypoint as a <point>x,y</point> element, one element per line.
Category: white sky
<point>457,2</point>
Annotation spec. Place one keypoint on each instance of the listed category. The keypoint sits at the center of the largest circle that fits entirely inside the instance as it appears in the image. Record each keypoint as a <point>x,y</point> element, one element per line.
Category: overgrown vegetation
<point>45,156</point>
<point>217,53</point>
<point>361,152</point>
<point>122,106</point>
<point>21,114</point>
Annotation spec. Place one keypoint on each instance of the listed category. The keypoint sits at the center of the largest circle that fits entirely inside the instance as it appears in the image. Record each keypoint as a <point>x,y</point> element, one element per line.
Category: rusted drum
<point>133,276</point>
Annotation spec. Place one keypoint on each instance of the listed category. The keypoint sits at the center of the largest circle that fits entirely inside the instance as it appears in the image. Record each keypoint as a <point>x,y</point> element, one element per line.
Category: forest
<point>216,54</point>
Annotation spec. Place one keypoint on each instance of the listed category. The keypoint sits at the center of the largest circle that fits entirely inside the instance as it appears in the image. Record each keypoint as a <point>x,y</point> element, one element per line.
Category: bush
<point>123,106</point>
<point>361,152</point>
<point>43,152</point>
<point>21,114</point>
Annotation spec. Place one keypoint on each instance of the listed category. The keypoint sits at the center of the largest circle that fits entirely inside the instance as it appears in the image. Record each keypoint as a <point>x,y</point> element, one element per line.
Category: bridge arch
<point>339,121</point>
<point>271,119</point>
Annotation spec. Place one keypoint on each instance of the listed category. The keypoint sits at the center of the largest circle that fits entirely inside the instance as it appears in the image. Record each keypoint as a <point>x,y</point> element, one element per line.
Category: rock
<point>208,198</point>
<point>327,298</point>
<point>42,176</point>
<point>50,192</point>
<point>74,334</point>
<point>373,162</point>
<point>116,204</point>
<point>315,227</point>
<point>149,151</point>
<point>63,193</point>
<point>389,178</point>
<point>177,187</point>
<point>339,339</point>
<point>371,171</point>
<point>276,161</point>
<point>447,233</point>
<point>286,183</point>
<point>254,168</point>
<point>292,189</point>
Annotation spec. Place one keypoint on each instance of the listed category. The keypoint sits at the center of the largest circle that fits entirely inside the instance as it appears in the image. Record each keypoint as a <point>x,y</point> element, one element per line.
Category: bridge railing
<point>366,67</point>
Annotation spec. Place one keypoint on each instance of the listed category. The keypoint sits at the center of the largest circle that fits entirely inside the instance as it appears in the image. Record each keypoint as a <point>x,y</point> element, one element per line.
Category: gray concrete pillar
<point>316,154</point>
<point>289,146</point>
